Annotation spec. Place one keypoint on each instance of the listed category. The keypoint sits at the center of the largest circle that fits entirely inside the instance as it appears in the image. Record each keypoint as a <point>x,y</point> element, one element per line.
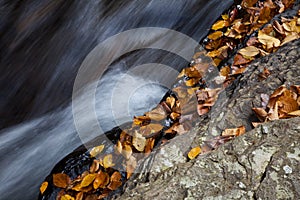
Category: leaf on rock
<point>67,197</point>
<point>249,51</point>
<point>87,180</point>
<point>61,180</point>
<point>139,141</point>
<point>108,161</point>
<point>115,181</point>
<point>267,40</point>
<point>43,187</point>
<point>194,152</point>
<point>240,60</point>
<point>260,113</point>
<point>290,38</point>
<point>96,150</point>
<point>157,114</point>
<point>234,131</point>
<point>218,25</point>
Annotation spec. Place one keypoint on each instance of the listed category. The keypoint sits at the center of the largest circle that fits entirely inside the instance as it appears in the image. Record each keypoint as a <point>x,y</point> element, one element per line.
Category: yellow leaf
<point>218,25</point>
<point>290,38</point>
<point>96,150</point>
<point>267,40</point>
<point>194,152</point>
<point>225,17</point>
<point>215,35</point>
<point>249,51</point>
<point>108,161</point>
<point>87,180</point>
<point>67,197</point>
<point>43,187</point>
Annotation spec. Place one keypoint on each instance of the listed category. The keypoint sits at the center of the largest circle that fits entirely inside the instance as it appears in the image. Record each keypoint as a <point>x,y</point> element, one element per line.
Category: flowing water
<point>43,44</point>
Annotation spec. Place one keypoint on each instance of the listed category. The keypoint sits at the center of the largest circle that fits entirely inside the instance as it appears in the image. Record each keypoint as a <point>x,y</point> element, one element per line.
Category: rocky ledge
<point>261,164</point>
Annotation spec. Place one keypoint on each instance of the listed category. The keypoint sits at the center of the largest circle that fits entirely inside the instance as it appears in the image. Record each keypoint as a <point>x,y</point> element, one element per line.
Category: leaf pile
<point>282,103</point>
<point>242,26</point>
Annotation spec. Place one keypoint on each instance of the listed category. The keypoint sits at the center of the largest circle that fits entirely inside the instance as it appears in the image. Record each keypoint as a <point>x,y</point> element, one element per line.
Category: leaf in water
<point>87,180</point>
<point>108,161</point>
<point>194,152</point>
<point>96,150</point>
<point>249,51</point>
<point>139,141</point>
<point>43,187</point>
<point>61,180</point>
<point>67,197</point>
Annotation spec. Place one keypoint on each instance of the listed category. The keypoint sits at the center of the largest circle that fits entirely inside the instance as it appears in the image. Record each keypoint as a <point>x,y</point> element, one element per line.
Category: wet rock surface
<point>261,164</point>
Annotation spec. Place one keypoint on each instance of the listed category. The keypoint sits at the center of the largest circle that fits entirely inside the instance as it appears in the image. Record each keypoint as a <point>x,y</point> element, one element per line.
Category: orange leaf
<point>67,197</point>
<point>43,187</point>
<point>194,152</point>
<point>87,180</point>
<point>79,196</point>
<point>101,180</point>
<point>218,25</point>
<point>215,35</point>
<point>61,180</point>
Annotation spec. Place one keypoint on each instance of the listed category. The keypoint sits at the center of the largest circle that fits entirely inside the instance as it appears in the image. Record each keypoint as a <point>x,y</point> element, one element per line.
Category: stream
<point>43,45</point>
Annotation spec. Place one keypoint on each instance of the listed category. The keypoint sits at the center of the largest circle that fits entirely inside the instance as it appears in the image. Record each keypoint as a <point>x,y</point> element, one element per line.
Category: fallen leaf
<point>295,113</point>
<point>290,38</point>
<point>108,161</point>
<point>249,51</point>
<point>194,152</point>
<point>67,197</point>
<point>87,180</point>
<point>218,25</point>
<point>215,35</point>
<point>157,114</point>
<point>170,101</point>
<point>95,166</point>
<point>115,181</point>
<point>260,113</point>
<point>234,131</point>
<point>138,141</point>
<point>61,180</point>
<point>141,120</point>
<point>267,40</point>
<point>101,180</point>
<point>248,3</point>
<point>127,151</point>
<point>79,196</point>
<point>43,187</point>
<point>240,60</point>
<point>130,166</point>
<point>96,150</point>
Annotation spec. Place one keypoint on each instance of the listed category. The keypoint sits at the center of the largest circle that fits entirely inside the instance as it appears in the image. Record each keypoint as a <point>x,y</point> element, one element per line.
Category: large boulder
<point>261,164</point>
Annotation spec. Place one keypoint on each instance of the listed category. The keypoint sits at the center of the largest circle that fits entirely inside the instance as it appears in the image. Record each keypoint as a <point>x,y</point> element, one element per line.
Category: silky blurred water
<point>43,44</point>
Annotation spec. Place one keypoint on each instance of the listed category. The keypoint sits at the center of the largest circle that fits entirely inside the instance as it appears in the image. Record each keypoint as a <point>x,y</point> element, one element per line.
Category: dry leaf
<point>67,197</point>
<point>96,150</point>
<point>95,166</point>
<point>141,120</point>
<point>194,152</point>
<point>174,116</point>
<point>87,180</point>
<point>240,60</point>
<point>260,113</point>
<point>249,51</point>
<point>218,25</point>
<point>248,3</point>
<point>101,180</point>
<point>79,196</point>
<point>267,40</point>
<point>289,38</point>
<point>43,187</point>
<point>127,151</point>
<point>215,35</point>
<point>130,166</point>
<point>171,101</point>
<point>157,114</point>
<point>115,181</point>
<point>61,180</point>
<point>139,141</point>
<point>295,113</point>
<point>149,146</point>
<point>234,131</point>
<point>108,161</point>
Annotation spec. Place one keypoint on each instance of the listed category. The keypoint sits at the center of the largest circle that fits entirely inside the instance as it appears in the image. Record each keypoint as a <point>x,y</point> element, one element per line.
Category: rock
<point>261,164</point>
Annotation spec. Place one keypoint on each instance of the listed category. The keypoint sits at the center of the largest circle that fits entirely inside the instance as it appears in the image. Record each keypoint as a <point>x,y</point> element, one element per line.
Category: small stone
<point>287,169</point>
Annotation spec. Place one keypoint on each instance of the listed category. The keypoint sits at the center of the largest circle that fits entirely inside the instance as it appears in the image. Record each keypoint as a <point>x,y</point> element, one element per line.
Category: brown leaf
<point>174,116</point>
<point>170,101</point>
<point>101,180</point>
<point>290,38</point>
<point>149,146</point>
<point>260,113</point>
<point>295,113</point>
<point>61,180</point>
<point>240,60</point>
<point>96,150</point>
<point>225,71</point>
<point>43,187</point>
<point>248,3</point>
<point>141,120</point>
<point>108,161</point>
<point>79,196</point>
<point>194,152</point>
<point>157,114</point>
<point>127,151</point>
<point>263,75</point>
<point>278,27</point>
<point>234,131</point>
